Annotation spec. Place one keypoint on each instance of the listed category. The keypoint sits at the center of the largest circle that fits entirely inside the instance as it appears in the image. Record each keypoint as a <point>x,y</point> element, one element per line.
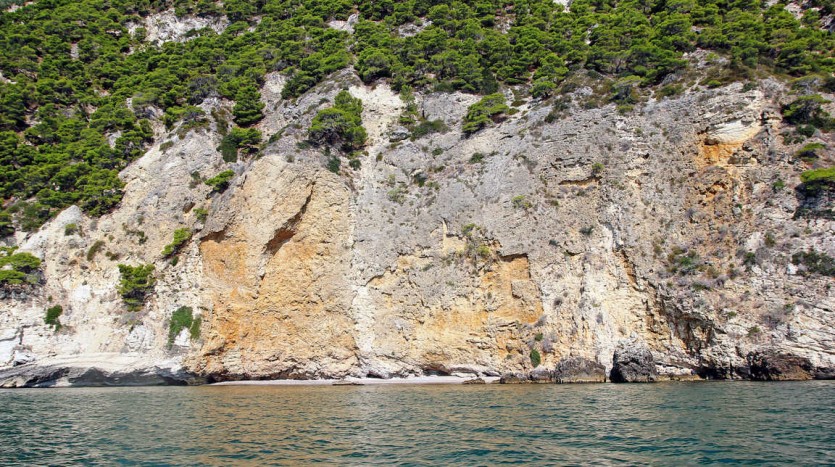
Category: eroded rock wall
<point>539,238</point>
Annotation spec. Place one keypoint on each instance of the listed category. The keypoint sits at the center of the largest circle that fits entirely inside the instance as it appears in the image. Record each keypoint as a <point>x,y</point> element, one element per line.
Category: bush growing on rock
<point>809,110</point>
<point>220,182</point>
<point>183,318</point>
<point>248,106</point>
<point>181,236</point>
<point>340,125</point>
<point>536,359</point>
<point>52,315</point>
<point>239,140</point>
<point>818,179</point>
<point>484,112</point>
<point>136,283</point>
<point>815,262</point>
<point>17,268</point>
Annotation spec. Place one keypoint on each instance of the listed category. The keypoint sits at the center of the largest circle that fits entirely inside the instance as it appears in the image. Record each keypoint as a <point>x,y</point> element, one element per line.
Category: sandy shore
<point>357,381</point>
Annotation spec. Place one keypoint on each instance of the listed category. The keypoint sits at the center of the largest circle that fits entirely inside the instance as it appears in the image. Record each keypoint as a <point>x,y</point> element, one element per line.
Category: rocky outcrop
<point>107,370</point>
<point>773,366</point>
<point>633,363</point>
<point>511,251</point>
<point>579,370</point>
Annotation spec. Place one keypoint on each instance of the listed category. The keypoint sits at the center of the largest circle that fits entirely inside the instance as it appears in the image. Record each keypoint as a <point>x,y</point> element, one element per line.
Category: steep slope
<point>665,228</point>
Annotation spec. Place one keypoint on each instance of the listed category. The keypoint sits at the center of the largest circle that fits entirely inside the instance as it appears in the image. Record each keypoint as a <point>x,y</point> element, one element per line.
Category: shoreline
<point>416,380</point>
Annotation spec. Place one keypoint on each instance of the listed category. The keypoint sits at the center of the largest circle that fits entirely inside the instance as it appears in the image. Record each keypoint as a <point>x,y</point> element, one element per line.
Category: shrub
<point>94,249</point>
<point>220,182</point>
<point>239,140</point>
<point>70,229</point>
<point>520,202</point>
<point>597,169</point>
<point>536,359</point>
<point>339,125</point>
<point>136,283</point>
<point>488,110</point>
<point>181,319</point>
<point>52,315</point>
<point>181,236</point>
<point>428,127</point>
<point>818,179</point>
<point>809,153</point>
<point>808,110</point>
<point>248,106</point>
<point>17,268</point>
<point>683,262</point>
<point>815,262</point>
<point>201,214</point>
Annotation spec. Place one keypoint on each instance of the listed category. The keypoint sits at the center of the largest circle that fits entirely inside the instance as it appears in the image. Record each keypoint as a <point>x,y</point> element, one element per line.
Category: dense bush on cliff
<point>135,284</point>
<point>340,125</point>
<point>78,82</point>
<point>17,268</point>
<point>484,112</point>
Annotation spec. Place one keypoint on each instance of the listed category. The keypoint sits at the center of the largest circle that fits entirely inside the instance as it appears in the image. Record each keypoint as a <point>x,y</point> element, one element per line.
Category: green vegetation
<point>239,141</point>
<point>248,106</point>
<point>683,262</point>
<point>70,229</point>
<point>181,236</point>
<point>136,284</point>
<point>201,214</point>
<point>815,262</point>
<point>810,152</point>
<point>808,110</point>
<point>18,268</point>
<point>181,319</point>
<point>536,359</point>
<point>76,79</point>
<point>220,182</point>
<point>818,179</point>
<point>52,315</point>
<point>94,249</point>
<point>521,202</point>
<point>427,127</point>
<point>340,125</point>
<point>484,112</point>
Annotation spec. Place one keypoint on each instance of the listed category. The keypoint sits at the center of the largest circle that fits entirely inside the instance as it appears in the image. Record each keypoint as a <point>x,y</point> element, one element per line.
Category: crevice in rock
<point>284,233</point>
<point>628,268</point>
<point>581,183</point>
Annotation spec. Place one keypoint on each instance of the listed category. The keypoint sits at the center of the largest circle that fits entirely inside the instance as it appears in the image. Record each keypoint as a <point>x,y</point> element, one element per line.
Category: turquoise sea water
<point>660,424</point>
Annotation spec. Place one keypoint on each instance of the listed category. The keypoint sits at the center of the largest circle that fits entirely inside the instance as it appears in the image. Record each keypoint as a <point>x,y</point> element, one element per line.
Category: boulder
<point>773,366</point>
<point>579,370</point>
<point>514,378</point>
<point>474,381</point>
<point>399,134</point>
<point>541,375</point>
<point>633,363</point>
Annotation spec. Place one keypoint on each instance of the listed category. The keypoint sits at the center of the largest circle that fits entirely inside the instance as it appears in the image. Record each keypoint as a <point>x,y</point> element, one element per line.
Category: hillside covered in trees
<point>79,84</point>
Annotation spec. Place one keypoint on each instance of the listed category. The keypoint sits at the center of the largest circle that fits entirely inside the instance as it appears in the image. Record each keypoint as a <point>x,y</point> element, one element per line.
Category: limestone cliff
<point>671,227</point>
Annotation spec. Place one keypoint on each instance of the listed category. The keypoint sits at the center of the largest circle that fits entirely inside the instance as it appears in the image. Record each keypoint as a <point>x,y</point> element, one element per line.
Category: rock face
<point>107,370</point>
<point>543,237</point>
<point>579,370</point>
<point>774,366</point>
<point>633,363</point>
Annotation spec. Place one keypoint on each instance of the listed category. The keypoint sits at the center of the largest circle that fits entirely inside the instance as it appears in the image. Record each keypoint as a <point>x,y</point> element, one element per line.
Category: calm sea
<point>660,424</point>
